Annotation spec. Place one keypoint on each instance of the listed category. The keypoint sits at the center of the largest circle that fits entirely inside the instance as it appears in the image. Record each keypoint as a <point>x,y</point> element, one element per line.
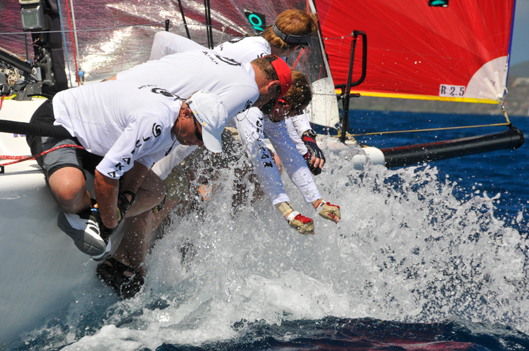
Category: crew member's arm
<point>250,127</point>
<point>298,171</point>
<point>106,190</point>
<point>112,208</point>
<point>299,125</point>
<point>166,43</point>
<point>146,185</point>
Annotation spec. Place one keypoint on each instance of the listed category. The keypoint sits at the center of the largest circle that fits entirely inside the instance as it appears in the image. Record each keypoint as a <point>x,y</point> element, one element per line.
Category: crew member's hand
<point>314,156</point>
<point>124,203</point>
<point>277,161</point>
<point>328,210</point>
<point>302,224</point>
<point>123,206</point>
<point>103,231</point>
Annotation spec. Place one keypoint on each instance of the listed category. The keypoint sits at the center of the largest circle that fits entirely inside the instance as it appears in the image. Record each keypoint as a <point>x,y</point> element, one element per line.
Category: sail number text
<point>452,90</point>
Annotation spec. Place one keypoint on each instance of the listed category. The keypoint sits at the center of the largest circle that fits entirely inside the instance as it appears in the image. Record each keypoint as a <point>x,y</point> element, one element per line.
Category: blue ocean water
<point>429,257</point>
<point>501,172</point>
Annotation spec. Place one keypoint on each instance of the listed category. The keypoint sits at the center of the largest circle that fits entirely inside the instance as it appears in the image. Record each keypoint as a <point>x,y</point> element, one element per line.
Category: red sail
<point>459,52</point>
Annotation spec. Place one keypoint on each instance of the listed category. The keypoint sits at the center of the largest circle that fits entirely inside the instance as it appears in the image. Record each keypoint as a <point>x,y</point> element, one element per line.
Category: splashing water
<point>405,250</point>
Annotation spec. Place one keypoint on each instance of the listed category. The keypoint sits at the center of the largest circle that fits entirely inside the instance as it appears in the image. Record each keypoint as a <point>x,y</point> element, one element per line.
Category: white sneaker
<point>85,234</point>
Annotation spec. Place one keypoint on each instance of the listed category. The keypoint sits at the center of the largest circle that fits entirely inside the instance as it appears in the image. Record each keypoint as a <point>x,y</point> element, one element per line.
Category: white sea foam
<point>406,249</point>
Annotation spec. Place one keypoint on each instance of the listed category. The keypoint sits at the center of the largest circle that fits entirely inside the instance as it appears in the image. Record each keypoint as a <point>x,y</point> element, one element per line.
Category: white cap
<point>211,113</point>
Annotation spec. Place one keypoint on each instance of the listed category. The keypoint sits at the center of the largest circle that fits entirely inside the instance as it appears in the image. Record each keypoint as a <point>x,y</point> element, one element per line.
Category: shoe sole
<point>87,241</point>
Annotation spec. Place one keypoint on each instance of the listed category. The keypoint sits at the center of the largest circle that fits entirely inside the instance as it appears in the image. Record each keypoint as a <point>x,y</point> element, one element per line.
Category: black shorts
<point>60,158</point>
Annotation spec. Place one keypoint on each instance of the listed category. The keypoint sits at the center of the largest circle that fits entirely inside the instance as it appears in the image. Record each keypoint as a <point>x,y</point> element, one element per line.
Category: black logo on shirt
<point>266,156</point>
<point>249,104</point>
<point>236,40</point>
<point>118,166</point>
<point>227,60</point>
<point>165,93</point>
<point>137,146</point>
<point>156,131</point>
<point>259,125</point>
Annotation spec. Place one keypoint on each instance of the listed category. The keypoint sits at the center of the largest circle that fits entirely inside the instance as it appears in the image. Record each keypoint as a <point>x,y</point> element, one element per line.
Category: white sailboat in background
<point>412,53</point>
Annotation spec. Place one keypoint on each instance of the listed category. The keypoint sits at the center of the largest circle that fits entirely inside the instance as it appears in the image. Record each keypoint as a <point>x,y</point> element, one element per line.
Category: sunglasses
<point>295,107</point>
<point>268,108</point>
<point>198,134</point>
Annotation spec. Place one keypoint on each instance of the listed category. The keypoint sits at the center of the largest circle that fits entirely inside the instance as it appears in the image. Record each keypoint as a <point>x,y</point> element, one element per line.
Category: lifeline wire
<point>26,158</point>
<point>431,129</point>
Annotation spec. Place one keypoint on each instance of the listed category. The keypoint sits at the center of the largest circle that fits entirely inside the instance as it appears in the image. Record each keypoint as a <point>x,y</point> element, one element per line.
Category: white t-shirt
<point>166,43</point>
<point>250,48</point>
<point>185,73</point>
<point>122,121</point>
<point>244,49</point>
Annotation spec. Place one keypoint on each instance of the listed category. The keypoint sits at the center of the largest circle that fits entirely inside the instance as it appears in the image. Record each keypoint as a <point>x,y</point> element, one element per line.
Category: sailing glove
<point>302,224</point>
<point>309,139</point>
<point>329,211</point>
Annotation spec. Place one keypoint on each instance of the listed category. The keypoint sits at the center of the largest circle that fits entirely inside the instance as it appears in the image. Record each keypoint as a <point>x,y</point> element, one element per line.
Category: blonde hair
<point>291,22</point>
<point>300,94</point>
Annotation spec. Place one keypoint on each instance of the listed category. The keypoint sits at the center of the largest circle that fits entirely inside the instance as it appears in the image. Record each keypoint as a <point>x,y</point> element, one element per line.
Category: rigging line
<point>297,59</point>
<point>321,71</point>
<point>26,45</point>
<point>19,159</point>
<point>184,18</point>
<point>433,129</point>
<point>305,58</point>
<point>158,24</point>
<point>92,29</point>
<point>345,36</point>
<point>73,44</point>
<point>222,34</point>
<point>74,29</point>
<point>64,40</point>
<point>208,23</point>
<point>502,105</point>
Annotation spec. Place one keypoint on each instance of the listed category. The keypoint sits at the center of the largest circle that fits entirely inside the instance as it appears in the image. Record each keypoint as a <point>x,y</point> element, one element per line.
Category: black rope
<point>33,129</point>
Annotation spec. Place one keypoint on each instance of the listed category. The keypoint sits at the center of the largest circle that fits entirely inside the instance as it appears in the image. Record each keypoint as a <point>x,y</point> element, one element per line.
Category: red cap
<point>283,71</point>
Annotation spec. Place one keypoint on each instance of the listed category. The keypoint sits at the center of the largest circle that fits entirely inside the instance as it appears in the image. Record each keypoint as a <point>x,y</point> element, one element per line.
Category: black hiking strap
<point>33,129</point>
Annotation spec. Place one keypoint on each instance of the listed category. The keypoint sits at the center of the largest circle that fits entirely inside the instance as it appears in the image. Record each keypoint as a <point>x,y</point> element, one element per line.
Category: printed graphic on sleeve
<point>265,157</point>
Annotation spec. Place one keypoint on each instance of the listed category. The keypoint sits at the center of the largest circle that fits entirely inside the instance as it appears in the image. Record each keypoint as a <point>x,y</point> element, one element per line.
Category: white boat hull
<point>40,264</point>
